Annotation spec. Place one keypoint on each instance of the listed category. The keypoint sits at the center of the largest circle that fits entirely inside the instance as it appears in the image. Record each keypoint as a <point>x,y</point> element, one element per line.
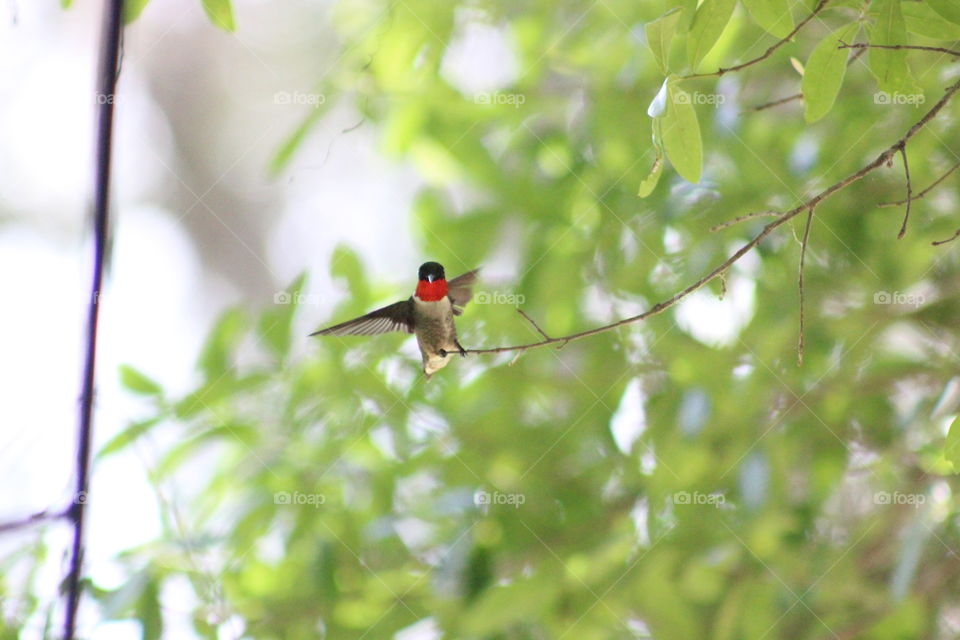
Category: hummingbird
<point>428,313</point>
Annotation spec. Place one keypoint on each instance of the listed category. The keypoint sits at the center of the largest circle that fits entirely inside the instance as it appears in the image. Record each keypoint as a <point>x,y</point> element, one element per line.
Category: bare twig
<point>106,86</point>
<point>956,234</point>
<point>739,219</point>
<point>797,96</point>
<point>906,171</point>
<point>766,54</point>
<point>803,256</point>
<point>925,191</point>
<point>883,158</point>
<point>775,103</point>
<point>37,518</point>
<point>911,47</point>
<point>535,325</point>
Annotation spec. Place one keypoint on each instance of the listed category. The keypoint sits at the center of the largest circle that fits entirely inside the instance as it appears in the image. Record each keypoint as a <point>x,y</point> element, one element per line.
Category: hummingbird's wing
<point>393,317</point>
<point>460,290</point>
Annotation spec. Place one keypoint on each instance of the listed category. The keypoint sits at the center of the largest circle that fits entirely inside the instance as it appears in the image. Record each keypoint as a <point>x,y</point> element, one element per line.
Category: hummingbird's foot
<point>443,353</point>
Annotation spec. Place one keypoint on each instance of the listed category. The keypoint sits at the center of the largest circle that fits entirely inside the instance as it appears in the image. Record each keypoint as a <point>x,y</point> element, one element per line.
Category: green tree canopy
<point>682,476</point>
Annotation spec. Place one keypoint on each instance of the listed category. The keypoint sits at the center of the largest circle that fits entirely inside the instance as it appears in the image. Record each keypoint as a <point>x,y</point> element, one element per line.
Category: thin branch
<point>925,191</point>
<point>106,86</point>
<point>912,47</point>
<point>775,103</point>
<point>885,156</point>
<point>766,54</point>
<point>739,219</point>
<point>37,518</point>
<point>906,171</point>
<point>796,96</point>
<point>956,234</point>
<point>535,325</point>
<point>803,256</point>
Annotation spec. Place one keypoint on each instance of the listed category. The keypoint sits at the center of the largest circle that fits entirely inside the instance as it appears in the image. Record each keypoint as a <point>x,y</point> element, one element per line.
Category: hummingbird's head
<point>433,282</point>
<point>431,272</point>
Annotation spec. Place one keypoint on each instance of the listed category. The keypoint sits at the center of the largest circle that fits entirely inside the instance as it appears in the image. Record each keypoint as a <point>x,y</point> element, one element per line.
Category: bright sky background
<point>161,293</point>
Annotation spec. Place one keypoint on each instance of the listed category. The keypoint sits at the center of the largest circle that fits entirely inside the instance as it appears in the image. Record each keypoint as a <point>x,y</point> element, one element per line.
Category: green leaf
<point>648,184</point>
<point>708,24</point>
<point>217,354</point>
<point>924,21</point>
<point>290,146</point>
<point>214,392</point>
<point>681,133</point>
<point>824,71</point>
<point>501,606</point>
<point>137,382</point>
<point>275,324</point>
<point>951,448</point>
<point>148,612</point>
<point>220,13</point>
<point>346,264</point>
<point>689,8</point>
<point>118,603</point>
<point>187,448</point>
<point>908,619</point>
<point>132,10</point>
<point>660,35</point>
<point>127,436</point>
<point>888,65</point>
<point>773,15</point>
<point>949,9</point>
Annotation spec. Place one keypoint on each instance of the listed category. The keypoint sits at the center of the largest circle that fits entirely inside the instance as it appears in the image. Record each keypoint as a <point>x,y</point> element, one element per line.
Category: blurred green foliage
<point>346,498</point>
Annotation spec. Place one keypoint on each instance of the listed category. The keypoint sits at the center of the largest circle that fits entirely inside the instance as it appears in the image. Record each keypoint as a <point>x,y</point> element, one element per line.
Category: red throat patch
<point>432,291</point>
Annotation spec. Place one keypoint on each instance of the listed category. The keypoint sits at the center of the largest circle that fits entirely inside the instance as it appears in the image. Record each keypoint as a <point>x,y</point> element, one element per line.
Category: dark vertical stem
<point>106,85</point>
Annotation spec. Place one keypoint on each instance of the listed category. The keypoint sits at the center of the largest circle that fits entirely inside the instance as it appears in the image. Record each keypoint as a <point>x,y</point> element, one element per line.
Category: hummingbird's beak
<point>429,278</point>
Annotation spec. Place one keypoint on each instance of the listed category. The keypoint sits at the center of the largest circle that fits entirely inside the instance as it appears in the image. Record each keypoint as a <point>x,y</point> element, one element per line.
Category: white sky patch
<point>640,514</point>
<point>694,411</point>
<point>716,322</point>
<point>426,629</point>
<point>415,533</point>
<point>481,57</point>
<point>45,128</point>
<point>629,421</point>
<point>39,339</point>
<point>46,161</point>
<point>371,217</point>
<point>672,240</point>
<point>754,480</point>
<point>804,154</point>
<point>648,462</point>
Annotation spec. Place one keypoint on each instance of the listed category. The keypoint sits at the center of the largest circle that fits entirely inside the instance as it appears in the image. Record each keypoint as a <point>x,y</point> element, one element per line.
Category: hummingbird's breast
<point>433,325</point>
